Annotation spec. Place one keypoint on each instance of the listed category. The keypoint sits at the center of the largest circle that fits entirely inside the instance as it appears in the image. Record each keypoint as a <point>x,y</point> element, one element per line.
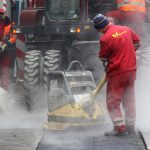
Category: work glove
<point>137,45</point>
<point>3,47</point>
<point>105,65</point>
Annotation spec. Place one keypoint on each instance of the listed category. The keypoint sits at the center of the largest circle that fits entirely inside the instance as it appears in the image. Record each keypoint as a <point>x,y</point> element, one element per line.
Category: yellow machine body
<point>68,116</point>
<point>67,99</point>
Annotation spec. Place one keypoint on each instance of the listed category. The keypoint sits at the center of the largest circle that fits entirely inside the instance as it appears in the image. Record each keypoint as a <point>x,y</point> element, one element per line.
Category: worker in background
<point>118,46</point>
<point>13,11</point>
<point>131,13</point>
<point>7,40</point>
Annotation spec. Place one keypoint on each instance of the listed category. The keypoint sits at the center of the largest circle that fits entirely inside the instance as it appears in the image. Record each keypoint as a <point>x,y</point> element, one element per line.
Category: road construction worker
<point>7,40</point>
<point>118,46</point>
<point>131,13</point>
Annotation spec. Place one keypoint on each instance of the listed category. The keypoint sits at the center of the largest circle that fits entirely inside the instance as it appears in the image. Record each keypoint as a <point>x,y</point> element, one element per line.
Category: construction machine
<point>68,92</point>
<point>57,32</point>
<point>53,33</point>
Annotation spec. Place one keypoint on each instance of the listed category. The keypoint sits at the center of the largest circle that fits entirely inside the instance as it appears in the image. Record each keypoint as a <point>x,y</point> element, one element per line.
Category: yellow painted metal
<point>76,111</point>
<point>60,126</point>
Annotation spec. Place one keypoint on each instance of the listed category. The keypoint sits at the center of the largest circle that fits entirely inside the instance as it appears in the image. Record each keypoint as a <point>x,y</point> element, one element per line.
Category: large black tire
<point>52,62</point>
<point>32,72</point>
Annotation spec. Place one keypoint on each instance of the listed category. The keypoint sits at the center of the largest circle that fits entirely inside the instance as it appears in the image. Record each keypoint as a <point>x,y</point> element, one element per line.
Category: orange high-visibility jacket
<point>11,34</point>
<point>7,33</point>
<point>132,5</point>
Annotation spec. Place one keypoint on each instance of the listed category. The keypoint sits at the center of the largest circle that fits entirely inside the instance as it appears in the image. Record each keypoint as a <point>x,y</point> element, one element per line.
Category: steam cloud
<point>14,114</point>
<point>143,89</point>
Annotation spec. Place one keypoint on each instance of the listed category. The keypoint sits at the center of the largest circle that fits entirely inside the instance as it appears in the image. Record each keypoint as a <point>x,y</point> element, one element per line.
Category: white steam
<point>14,114</point>
<point>143,89</point>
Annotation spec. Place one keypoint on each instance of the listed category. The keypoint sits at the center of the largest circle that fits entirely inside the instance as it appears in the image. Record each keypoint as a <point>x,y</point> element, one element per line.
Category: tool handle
<point>99,87</point>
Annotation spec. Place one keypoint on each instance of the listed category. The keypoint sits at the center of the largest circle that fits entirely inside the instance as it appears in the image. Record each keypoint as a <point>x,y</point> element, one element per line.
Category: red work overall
<point>116,46</point>
<point>120,89</point>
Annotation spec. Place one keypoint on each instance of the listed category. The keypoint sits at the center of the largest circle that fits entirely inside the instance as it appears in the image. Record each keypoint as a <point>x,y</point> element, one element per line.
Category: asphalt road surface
<point>20,139</point>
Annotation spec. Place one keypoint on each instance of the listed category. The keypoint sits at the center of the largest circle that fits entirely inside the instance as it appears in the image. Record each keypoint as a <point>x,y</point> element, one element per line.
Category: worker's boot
<point>118,131</point>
